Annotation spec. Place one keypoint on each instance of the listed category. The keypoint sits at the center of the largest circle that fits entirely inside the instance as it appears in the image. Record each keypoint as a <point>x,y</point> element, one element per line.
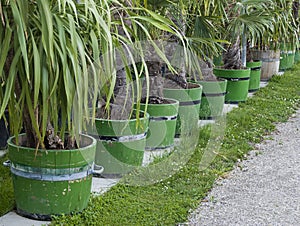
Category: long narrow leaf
<point>21,30</point>
<point>37,72</point>
<point>5,47</point>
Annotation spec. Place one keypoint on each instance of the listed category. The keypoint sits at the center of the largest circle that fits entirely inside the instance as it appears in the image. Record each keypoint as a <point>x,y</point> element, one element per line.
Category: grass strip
<point>6,189</point>
<point>169,202</point>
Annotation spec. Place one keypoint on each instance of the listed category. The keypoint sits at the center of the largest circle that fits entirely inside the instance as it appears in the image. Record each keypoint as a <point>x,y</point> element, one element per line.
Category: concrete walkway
<point>262,190</point>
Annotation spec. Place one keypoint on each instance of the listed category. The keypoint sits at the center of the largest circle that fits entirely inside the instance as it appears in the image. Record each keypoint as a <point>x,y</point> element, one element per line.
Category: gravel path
<point>262,190</point>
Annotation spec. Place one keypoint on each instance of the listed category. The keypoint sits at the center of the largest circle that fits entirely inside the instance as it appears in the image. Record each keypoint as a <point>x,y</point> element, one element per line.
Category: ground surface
<point>263,190</point>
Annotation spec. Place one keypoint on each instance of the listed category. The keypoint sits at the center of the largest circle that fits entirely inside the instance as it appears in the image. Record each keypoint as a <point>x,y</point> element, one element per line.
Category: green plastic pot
<point>213,98</point>
<point>189,105</point>
<point>287,56</point>
<point>120,144</point>
<point>255,73</point>
<point>297,56</point>
<point>51,182</point>
<point>237,83</point>
<point>162,124</point>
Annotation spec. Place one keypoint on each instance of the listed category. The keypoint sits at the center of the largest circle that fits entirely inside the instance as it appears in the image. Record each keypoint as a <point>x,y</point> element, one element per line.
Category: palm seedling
<point>245,20</point>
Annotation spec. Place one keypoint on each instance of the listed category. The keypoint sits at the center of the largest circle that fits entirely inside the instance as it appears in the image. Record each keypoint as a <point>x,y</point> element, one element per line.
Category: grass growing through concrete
<point>169,202</point>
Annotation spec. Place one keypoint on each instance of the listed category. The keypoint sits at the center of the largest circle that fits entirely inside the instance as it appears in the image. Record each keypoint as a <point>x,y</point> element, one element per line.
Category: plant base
<point>52,182</point>
<point>120,144</point>
<point>255,74</point>
<point>237,83</point>
<point>213,98</point>
<point>270,62</point>
<point>189,105</point>
<point>162,124</point>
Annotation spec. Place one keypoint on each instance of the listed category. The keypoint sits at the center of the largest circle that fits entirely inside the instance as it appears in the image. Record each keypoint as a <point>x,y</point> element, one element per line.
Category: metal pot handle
<point>97,170</point>
<point>7,163</point>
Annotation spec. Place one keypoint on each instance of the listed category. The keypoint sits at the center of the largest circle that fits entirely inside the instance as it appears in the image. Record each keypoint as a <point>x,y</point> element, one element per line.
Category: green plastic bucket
<point>255,73</point>
<point>120,144</point>
<point>162,124</point>
<point>287,56</point>
<point>213,98</point>
<point>297,56</point>
<point>51,182</point>
<point>237,83</point>
<point>189,105</point>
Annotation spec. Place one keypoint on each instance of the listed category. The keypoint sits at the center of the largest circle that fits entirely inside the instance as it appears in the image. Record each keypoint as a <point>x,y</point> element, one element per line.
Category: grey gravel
<point>262,190</point>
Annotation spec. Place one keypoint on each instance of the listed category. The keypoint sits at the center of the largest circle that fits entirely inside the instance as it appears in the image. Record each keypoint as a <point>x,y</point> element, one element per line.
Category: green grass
<point>6,190</point>
<point>170,201</point>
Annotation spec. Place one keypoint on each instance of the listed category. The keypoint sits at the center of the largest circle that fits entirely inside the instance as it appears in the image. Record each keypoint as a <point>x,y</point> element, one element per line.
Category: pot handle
<point>97,170</point>
<point>7,163</point>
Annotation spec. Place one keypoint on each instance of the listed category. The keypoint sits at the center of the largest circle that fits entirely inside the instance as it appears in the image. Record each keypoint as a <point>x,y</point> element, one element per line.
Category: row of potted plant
<point>62,65</point>
<point>74,68</point>
<point>267,35</point>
